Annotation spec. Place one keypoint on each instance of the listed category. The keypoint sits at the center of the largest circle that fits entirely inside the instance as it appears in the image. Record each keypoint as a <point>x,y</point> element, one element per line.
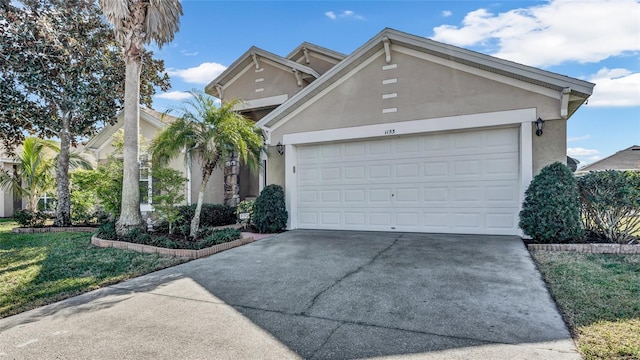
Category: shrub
<point>28,218</point>
<point>109,186</point>
<point>610,204</point>
<point>169,186</point>
<point>245,207</point>
<point>84,195</point>
<point>219,237</point>
<point>211,215</point>
<point>551,208</point>
<point>107,231</point>
<point>269,210</point>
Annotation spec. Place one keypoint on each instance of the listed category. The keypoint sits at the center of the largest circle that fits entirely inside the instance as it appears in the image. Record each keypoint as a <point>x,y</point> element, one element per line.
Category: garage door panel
<point>464,182</point>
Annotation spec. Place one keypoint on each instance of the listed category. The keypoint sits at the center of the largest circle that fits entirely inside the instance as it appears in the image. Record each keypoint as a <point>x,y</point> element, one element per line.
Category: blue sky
<point>597,41</point>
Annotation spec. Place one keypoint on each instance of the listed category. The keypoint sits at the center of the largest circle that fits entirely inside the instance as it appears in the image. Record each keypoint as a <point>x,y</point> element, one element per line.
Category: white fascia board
<point>481,73</point>
<point>500,118</point>
<point>261,102</point>
<point>152,120</point>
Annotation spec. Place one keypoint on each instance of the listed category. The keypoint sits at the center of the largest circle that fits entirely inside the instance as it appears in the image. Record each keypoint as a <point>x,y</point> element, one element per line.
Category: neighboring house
<point>627,159</point>
<point>404,134</point>
<point>8,202</point>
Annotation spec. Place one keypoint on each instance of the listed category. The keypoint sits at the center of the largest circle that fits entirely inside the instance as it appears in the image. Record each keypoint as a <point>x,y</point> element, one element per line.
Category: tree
<point>58,78</point>
<point>137,22</point>
<point>34,175</point>
<point>168,192</point>
<point>209,133</point>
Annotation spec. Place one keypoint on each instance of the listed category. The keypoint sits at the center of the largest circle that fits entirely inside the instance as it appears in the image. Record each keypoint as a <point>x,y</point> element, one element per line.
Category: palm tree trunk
<point>63,210</point>
<point>130,217</point>
<point>195,222</point>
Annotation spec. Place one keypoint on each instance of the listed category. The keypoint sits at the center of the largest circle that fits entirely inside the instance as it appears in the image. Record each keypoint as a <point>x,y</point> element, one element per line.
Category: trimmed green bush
<point>245,206</point>
<point>611,204</point>
<point>28,218</point>
<point>107,231</point>
<point>551,208</point>
<point>269,211</point>
<point>211,215</point>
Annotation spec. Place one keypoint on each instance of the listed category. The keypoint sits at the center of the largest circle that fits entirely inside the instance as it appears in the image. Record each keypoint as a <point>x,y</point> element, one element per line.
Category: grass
<point>39,269</point>
<point>599,295</point>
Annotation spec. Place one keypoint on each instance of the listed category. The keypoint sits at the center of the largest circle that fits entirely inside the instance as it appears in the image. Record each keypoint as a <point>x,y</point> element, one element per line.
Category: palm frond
<point>163,20</point>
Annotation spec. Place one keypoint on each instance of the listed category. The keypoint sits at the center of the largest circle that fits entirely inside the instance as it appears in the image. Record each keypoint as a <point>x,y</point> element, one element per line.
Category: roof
<point>155,118</point>
<point>247,59</point>
<point>299,51</point>
<point>627,159</point>
<point>579,88</point>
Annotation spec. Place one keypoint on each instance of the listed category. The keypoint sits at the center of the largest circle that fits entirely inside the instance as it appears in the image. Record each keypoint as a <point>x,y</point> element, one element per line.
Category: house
<point>8,202</point>
<point>151,122</point>
<point>627,159</point>
<point>403,134</point>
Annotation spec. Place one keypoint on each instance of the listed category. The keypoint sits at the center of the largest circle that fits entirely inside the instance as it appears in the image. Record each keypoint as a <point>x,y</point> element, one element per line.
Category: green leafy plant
<point>109,186</point>
<point>28,218</point>
<point>169,185</point>
<point>551,208</point>
<point>610,205</point>
<point>220,236</point>
<point>269,211</point>
<point>107,231</point>
<point>211,215</point>
<point>84,195</point>
<point>245,207</point>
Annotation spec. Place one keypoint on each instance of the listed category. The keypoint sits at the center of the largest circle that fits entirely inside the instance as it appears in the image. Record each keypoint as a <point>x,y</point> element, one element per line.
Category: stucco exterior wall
<point>275,167</point>
<point>275,81</point>
<point>551,146</point>
<point>6,196</point>
<point>214,191</point>
<point>422,89</point>
<point>317,63</point>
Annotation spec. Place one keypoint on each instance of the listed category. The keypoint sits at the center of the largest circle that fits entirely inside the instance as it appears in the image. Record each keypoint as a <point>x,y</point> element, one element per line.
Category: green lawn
<point>38,269</point>
<point>599,295</point>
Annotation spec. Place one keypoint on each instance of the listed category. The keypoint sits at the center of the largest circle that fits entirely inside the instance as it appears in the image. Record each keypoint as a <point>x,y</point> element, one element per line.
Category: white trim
<point>390,66</point>
<point>413,127</point>
<point>259,80</point>
<point>318,96</point>
<point>146,208</point>
<point>261,102</point>
<point>291,184</point>
<point>257,70</point>
<point>526,160</point>
<point>389,96</point>
<point>389,81</point>
<point>262,180</point>
<point>389,110</point>
<point>482,73</point>
<point>259,89</point>
<point>239,74</point>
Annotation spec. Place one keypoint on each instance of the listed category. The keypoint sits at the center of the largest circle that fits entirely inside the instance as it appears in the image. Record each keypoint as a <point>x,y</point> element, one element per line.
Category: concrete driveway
<point>318,295</point>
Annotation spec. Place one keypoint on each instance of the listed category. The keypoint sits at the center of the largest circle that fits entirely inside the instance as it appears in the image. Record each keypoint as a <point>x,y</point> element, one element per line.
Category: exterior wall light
<point>539,126</point>
<point>280,148</point>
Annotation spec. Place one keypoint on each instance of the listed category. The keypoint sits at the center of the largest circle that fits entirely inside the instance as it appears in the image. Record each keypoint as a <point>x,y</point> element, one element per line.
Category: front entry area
<point>448,182</point>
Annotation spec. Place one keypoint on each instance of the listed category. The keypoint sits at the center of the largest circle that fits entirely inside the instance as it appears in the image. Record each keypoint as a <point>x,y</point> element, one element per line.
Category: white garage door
<point>458,182</point>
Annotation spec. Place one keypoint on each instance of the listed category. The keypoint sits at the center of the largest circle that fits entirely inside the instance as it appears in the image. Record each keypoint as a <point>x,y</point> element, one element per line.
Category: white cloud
<point>578,151</point>
<point>189,53</point>
<point>578,138</point>
<point>174,95</point>
<point>447,13</point>
<point>201,74</point>
<point>552,33</point>
<point>615,88</point>
<point>345,14</point>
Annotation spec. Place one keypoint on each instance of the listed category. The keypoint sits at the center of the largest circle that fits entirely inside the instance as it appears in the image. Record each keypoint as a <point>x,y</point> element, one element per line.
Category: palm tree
<point>35,170</point>
<point>211,134</point>
<point>137,22</point>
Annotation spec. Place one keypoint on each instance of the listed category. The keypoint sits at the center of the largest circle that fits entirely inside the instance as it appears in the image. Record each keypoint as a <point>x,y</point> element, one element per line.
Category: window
<point>146,181</point>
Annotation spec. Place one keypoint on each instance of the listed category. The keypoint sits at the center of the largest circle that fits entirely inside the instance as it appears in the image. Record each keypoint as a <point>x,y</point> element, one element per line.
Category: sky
<point>596,41</point>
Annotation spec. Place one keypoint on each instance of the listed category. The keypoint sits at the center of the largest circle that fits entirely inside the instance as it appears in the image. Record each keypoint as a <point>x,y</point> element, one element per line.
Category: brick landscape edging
<point>190,254</point>
<point>588,248</point>
<point>50,229</point>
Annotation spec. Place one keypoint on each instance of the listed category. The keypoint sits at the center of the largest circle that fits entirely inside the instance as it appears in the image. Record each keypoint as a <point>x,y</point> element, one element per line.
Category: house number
<point>390,132</point>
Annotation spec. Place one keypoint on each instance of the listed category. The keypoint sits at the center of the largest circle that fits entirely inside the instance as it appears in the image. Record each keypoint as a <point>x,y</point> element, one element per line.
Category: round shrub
<point>269,211</point>
<point>551,208</point>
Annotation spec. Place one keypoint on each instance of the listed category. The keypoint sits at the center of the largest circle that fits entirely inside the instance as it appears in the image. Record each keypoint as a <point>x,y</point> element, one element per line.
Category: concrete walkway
<point>317,295</point>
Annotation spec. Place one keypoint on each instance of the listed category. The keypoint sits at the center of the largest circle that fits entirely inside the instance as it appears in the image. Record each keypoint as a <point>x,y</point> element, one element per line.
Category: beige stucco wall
<point>276,82</point>
<point>425,90</point>
<point>275,167</point>
<point>214,191</point>
<point>551,146</point>
<point>321,66</point>
<point>6,196</point>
